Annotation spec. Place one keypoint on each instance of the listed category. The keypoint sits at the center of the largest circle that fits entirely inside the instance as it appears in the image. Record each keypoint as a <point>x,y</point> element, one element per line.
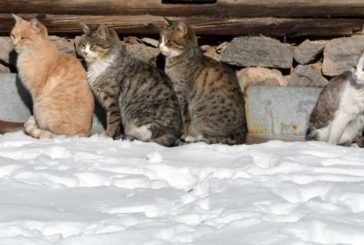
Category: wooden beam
<point>228,8</point>
<point>6,127</point>
<point>215,26</point>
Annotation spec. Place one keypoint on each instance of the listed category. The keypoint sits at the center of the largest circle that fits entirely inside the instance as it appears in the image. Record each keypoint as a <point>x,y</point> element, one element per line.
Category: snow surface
<point>75,191</point>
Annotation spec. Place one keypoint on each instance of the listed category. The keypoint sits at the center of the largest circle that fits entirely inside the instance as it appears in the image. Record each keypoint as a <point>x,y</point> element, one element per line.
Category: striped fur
<point>139,99</point>
<point>211,100</point>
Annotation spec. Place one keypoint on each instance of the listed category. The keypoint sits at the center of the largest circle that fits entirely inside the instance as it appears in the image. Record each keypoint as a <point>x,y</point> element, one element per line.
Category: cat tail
<point>228,139</point>
<point>31,128</point>
<point>225,140</point>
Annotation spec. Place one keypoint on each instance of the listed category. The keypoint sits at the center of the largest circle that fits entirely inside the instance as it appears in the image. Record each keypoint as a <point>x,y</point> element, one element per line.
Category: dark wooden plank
<point>230,8</point>
<point>215,26</point>
<point>6,127</point>
<point>188,1</point>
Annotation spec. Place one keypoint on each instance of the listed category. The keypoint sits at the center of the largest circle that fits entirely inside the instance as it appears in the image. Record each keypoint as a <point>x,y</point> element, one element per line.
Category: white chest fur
<point>97,68</point>
<point>352,101</point>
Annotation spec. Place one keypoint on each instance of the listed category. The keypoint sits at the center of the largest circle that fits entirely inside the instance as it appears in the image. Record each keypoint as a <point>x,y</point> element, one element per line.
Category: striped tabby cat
<point>62,99</point>
<point>139,100</point>
<point>211,100</point>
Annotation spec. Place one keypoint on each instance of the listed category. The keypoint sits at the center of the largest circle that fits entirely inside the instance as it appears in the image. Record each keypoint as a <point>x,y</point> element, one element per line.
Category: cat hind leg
<point>338,127</point>
<point>351,133</point>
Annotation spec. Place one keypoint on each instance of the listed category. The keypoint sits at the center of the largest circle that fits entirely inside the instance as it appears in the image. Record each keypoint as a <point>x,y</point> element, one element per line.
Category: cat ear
<point>103,31</point>
<point>182,27</point>
<point>17,18</point>
<point>85,27</point>
<point>34,23</point>
<point>114,34</point>
<point>169,22</point>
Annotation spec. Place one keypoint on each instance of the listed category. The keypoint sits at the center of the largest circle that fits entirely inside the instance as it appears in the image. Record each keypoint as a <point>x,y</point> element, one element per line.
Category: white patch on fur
<point>189,138</point>
<point>349,118</point>
<point>97,68</point>
<point>359,74</point>
<point>142,133</point>
<point>169,53</point>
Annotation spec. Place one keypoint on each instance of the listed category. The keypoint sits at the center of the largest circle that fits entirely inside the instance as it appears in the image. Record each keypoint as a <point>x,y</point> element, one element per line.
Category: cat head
<point>27,34</point>
<point>96,42</point>
<point>176,38</point>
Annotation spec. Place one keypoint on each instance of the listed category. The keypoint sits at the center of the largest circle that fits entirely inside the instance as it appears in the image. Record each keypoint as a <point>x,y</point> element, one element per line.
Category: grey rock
<point>64,45</point>
<point>308,51</point>
<point>341,54</point>
<point>307,76</point>
<point>251,76</point>
<point>258,51</point>
<point>5,48</point>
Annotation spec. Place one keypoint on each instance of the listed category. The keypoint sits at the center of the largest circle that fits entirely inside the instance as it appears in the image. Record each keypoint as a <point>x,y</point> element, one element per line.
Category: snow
<point>73,191</point>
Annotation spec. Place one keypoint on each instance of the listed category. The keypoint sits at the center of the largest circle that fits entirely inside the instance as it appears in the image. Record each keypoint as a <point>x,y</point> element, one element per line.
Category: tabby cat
<point>211,100</point>
<point>338,116</point>
<point>139,100</point>
<point>63,103</point>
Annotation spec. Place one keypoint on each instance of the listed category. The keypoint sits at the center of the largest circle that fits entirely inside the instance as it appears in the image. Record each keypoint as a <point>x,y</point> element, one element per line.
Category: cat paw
<point>104,134</point>
<point>30,122</point>
<point>189,138</point>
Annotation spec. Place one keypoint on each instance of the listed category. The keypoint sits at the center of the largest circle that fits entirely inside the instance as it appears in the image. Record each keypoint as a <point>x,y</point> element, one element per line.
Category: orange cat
<point>63,103</point>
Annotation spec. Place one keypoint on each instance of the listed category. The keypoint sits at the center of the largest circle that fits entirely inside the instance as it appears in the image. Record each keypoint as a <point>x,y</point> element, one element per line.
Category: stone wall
<point>258,60</point>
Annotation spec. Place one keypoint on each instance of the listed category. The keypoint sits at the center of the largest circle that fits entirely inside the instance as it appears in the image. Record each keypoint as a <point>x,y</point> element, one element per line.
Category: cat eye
<point>172,43</point>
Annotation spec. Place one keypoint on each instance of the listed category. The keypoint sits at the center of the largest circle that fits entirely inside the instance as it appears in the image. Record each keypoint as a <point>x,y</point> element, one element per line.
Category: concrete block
<point>15,100</point>
<point>279,111</point>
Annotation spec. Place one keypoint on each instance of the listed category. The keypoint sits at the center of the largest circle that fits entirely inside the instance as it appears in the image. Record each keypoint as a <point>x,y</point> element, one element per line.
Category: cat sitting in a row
<point>196,99</point>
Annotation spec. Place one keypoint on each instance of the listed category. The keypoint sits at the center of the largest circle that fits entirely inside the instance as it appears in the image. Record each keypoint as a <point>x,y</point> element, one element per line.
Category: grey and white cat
<point>338,116</point>
<point>139,100</point>
<point>208,91</point>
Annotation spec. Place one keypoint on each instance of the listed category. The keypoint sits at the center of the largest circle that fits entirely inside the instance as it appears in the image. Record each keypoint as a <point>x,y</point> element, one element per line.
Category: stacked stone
<point>309,64</point>
<point>259,60</point>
